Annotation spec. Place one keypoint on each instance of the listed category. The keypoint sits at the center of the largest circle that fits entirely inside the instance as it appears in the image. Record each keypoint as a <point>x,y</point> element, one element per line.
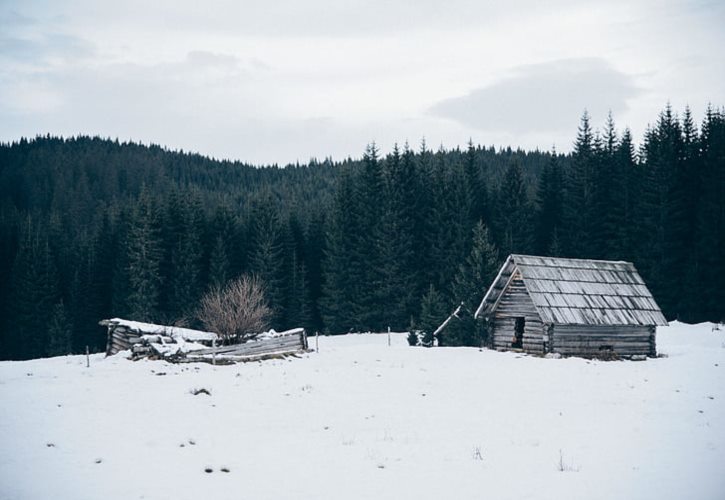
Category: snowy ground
<point>363,420</point>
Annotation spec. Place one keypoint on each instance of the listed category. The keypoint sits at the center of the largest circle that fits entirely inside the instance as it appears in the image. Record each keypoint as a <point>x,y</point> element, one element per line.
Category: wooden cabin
<point>574,307</point>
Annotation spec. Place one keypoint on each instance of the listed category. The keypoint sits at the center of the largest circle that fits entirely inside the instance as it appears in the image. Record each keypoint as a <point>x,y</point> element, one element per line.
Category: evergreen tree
<point>662,151</point>
<point>219,272</point>
<point>606,214</point>
<point>432,314</point>
<point>450,227</point>
<point>550,207</point>
<point>514,222</point>
<point>709,295</point>
<point>626,197</point>
<point>267,259</point>
<point>477,190</point>
<point>395,272</point>
<point>578,193</point>
<point>60,332</point>
<point>369,202</point>
<point>479,269</point>
<point>298,307</point>
<point>143,260</point>
<point>474,277</point>
<point>343,273</point>
<point>35,286</point>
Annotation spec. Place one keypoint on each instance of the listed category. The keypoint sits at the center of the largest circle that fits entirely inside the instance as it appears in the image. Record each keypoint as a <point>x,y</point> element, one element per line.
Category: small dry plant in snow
<point>563,466</point>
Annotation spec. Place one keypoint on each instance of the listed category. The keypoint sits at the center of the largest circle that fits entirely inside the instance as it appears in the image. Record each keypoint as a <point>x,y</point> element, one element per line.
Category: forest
<point>93,228</point>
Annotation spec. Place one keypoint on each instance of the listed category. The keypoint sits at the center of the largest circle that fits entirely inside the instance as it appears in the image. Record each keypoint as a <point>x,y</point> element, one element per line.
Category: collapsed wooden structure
<point>186,345</point>
<point>579,307</point>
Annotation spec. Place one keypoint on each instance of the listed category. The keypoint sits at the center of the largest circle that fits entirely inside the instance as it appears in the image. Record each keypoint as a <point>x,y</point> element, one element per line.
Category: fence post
<point>317,341</point>
<point>88,358</point>
<point>213,353</point>
<point>388,336</point>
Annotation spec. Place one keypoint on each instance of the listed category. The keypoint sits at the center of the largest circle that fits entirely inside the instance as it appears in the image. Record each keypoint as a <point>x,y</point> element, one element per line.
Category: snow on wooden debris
<point>183,344</point>
<point>170,331</point>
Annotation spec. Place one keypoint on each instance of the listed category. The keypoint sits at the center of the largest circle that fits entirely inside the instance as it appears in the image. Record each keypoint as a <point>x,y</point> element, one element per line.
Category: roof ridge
<point>514,255</point>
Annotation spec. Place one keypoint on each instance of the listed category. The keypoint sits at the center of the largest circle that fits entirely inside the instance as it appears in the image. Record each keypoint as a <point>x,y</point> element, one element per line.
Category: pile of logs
<point>283,343</point>
<point>146,340</point>
<point>120,339</point>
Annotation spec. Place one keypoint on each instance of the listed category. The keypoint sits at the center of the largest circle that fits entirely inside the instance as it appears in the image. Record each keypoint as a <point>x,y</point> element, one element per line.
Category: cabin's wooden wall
<point>590,340</point>
<point>515,303</point>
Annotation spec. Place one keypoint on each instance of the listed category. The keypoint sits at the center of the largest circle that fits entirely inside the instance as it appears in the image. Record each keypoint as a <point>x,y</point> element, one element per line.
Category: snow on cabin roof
<point>579,291</point>
<point>152,329</point>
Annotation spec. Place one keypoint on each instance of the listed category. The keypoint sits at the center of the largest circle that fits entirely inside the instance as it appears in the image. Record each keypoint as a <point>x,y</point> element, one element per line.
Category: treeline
<point>93,228</point>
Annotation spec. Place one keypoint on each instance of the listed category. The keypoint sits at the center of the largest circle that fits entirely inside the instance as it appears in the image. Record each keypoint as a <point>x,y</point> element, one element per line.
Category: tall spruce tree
<point>474,277</point>
<point>60,332</point>
<point>578,193</point>
<point>143,260</point>
<point>514,211</point>
<point>267,258</point>
<point>36,290</point>
<point>710,294</point>
<point>432,314</point>
<point>395,272</point>
<point>662,150</point>
<point>550,207</point>
<point>343,269</point>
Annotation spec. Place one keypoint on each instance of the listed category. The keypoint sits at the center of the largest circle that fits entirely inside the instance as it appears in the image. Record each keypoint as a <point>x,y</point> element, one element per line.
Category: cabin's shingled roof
<point>579,291</point>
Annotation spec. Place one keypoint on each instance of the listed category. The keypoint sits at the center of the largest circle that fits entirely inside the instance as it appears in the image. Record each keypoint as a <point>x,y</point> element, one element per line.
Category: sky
<point>265,81</point>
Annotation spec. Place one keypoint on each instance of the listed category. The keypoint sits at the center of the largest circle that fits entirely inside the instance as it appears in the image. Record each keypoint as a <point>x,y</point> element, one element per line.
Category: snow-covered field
<point>363,420</point>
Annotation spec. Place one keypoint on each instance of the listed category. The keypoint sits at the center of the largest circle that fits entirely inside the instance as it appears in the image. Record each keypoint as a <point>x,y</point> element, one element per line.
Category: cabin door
<point>519,327</point>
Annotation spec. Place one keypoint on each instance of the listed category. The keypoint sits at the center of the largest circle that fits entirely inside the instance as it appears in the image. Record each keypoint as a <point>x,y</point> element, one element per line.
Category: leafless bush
<point>237,311</point>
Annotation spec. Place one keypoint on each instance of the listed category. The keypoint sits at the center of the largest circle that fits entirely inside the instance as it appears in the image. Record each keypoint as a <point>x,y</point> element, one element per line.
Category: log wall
<point>592,341</point>
<point>516,303</point>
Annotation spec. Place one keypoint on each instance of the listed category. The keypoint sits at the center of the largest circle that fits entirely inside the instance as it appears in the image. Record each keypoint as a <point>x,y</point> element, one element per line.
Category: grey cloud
<point>205,58</point>
<point>545,97</point>
<point>40,50</point>
<point>316,18</point>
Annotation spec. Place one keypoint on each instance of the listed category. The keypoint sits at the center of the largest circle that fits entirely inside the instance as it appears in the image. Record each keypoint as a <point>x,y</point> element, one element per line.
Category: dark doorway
<point>519,333</point>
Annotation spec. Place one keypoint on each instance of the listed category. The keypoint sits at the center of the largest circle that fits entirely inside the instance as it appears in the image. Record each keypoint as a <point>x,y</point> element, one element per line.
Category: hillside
<point>363,420</point>
<point>93,228</point>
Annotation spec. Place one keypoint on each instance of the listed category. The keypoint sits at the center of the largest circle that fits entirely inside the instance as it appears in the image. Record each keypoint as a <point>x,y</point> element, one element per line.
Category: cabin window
<point>519,333</point>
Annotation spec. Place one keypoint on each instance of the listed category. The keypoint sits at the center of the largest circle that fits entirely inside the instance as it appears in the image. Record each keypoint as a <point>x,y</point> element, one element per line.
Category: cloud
<point>42,50</point>
<point>546,97</point>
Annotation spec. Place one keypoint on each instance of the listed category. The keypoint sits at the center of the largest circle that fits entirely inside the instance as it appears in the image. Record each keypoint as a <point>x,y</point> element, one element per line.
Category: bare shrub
<point>237,311</point>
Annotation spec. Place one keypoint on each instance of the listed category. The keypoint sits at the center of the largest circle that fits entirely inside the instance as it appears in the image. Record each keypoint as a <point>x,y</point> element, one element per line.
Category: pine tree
<point>514,214</point>
<point>477,190</point>
<point>395,272</point>
<point>626,190</point>
<point>267,259</point>
<point>450,227</point>
<point>578,193</point>
<point>60,332</point>
<point>298,305</point>
<point>606,213</point>
<point>662,151</point>
<point>710,294</point>
<point>474,277</point>
<point>219,272</point>
<point>369,207</point>
<point>143,260</point>
<point>477,272</point>
<point>343,272</point>
<point>432,314</point>
<point>35,290</point>
<point>550,207</point>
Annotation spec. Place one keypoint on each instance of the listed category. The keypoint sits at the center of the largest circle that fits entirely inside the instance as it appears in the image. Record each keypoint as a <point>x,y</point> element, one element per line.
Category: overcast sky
<point>278,81</point>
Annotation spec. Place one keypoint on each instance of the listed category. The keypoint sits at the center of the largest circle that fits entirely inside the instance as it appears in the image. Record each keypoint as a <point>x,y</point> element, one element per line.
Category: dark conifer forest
<point>93,228</point>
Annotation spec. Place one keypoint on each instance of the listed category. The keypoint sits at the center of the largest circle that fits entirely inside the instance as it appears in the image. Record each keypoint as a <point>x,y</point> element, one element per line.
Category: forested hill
<point>93,228</point>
